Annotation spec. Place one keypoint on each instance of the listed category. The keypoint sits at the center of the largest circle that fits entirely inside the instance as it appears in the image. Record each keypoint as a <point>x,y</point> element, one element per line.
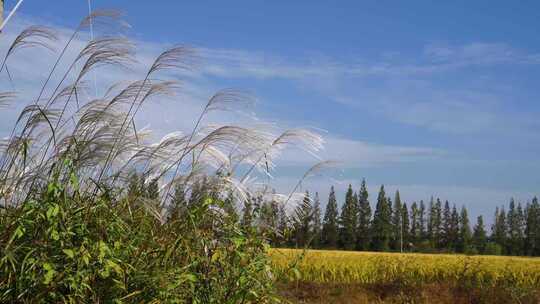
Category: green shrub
<point>64,248</point>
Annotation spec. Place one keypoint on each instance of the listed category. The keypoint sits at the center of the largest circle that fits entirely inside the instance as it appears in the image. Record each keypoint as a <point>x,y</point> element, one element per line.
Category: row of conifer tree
<point>385,225</point>
<point>393,225</point>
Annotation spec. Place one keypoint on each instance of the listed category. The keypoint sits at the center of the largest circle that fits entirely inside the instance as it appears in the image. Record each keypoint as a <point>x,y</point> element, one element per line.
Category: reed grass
<point>75,227</point>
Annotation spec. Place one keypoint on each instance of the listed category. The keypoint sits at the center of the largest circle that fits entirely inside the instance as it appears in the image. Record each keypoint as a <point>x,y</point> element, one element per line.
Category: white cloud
<point>361,154</point>
<point>403,91</point>
<point>478,53</point>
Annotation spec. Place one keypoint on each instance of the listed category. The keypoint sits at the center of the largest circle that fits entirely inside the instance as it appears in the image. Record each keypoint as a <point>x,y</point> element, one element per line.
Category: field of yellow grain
<point>344,267</point>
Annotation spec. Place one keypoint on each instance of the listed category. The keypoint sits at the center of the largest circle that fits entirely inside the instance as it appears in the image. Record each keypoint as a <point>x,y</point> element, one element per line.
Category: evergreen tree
<point>152,190</point>
<point>479,235</point>
<point>381,227</point>
<point>397,222</point>
<point>364,218</point>
<point>454,228</point>
<point>269,221</point>
<point>178,203</point>
<point>465,235</point>
<point>532,228</point>
<point>348,221</point>
<point>434,226</point>
<point>422,220</point>
<point>135,186</point>
<point>446,236</point>
<point>415,227</point>
<point>499,228</point>
<point>515,233</point>
<point>317,225</point>
<point>330,222</point>
<point>521,229</point>
<point>302,221</point>
<point>406,226</point>
<point>431,221</point>
<point>438,224</point>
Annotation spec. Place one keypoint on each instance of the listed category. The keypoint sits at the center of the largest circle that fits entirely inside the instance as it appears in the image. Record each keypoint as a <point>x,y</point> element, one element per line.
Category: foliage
<point>62,248</point>
<point>381,227</point>
<point>349,220</point>
<point>303,222</point>
<point>364,218</point>
<point>330,222</point>
<point>317,224</point>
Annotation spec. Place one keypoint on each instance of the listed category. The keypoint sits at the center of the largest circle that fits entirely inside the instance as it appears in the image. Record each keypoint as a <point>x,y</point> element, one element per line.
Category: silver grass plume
<point>33,36</point>
<point>104,146</point>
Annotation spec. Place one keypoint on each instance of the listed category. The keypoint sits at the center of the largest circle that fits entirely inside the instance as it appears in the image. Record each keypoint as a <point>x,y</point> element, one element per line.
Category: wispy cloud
<point>405,88</point>
<point>177,113</point>
<point>432,59</point>
<point>361,154</point>
<point>478,53</point>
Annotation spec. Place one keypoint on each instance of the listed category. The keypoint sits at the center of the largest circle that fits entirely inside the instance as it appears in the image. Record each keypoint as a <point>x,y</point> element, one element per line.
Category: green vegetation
<point>62,247</point>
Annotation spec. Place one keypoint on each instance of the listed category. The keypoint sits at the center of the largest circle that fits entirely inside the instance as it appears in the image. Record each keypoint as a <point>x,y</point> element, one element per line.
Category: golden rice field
<point>345,267</point>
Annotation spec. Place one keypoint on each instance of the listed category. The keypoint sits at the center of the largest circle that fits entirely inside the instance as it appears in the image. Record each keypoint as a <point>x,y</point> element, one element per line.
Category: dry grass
<point>318,276</point>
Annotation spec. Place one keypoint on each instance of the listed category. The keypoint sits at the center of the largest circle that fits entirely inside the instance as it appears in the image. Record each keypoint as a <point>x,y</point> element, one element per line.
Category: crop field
<point>519,277</point>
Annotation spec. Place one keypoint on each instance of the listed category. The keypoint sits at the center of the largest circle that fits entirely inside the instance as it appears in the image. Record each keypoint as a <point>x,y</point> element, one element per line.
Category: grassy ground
<point>319,276</point>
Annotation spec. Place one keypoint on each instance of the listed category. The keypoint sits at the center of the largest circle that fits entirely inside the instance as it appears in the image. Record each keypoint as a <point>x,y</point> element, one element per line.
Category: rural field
<point>325,276</point>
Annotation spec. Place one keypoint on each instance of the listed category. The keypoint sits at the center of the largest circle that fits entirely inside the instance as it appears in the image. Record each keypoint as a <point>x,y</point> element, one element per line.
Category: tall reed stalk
<point>89,204</point>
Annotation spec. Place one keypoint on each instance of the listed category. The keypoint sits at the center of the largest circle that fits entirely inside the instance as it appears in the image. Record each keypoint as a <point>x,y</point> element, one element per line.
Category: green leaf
<point>53,211</point>
<point>188,277</point>
<point>49,273</point>
<point>297,274</point>
<point>115,267</point>
<point>55,235</point>
<point>19,232</point>
<point>69,252</point>
<point>74,180</point>
<point>103,249</point>
<point>215,256</point>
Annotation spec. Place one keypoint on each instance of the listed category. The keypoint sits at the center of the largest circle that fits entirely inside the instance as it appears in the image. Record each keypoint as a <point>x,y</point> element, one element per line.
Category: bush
<point>64,248</point>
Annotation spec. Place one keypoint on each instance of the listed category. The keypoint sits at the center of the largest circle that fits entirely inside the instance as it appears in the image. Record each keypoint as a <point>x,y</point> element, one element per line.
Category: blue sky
<point>433,98</point>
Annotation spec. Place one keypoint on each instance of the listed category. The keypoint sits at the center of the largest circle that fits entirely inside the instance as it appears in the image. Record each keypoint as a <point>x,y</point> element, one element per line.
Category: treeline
<point>394,225</point>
